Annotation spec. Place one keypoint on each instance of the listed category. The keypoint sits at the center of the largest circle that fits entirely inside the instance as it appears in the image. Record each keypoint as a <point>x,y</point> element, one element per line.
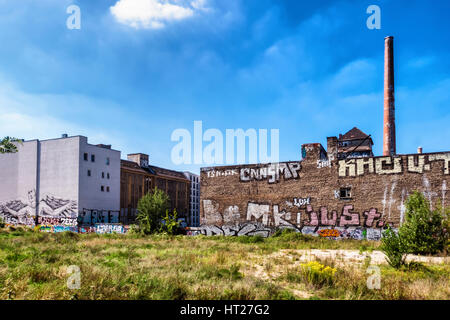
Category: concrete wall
<point>91,196</point>
<point>18,177</point>
<point>58,178</point>
<point>306,195</point>
<point>48,179</point>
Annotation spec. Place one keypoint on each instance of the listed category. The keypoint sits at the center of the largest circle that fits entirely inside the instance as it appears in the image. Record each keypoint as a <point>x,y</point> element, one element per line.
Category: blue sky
<point>131,76</point>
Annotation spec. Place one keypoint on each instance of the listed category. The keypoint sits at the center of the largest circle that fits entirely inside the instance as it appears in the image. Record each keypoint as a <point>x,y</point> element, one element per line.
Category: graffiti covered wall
<point>354,198</point>
<point>52,214</point>
<point>49,210</point>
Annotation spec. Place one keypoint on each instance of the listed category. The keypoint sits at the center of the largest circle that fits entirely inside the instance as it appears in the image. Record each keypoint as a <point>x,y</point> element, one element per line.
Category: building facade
<point>64,181</point>
<point>350,198</point>
<point>194,199</point>
<point>353,144</point>
<point>137,178</point>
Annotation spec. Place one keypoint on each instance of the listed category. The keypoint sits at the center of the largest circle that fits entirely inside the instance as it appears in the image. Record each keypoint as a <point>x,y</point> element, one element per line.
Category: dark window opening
<point>102,188</point>
<point>89,173</point>
<point>103,175</point>
<point>107,189</point>
<point>345,193</point>
<point>85,156</point>
<point>93,157</point>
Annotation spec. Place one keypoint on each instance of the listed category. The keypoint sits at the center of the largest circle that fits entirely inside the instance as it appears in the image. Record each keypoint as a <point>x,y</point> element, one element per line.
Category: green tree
<point>424,230</point>
<point>151,210</point>
<point>7,145</point>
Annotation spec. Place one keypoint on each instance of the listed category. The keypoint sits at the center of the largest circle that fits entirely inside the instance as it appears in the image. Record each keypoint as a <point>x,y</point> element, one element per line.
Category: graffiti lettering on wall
<point>110,228</point>
<point>347,217</point>
<point>57,221</point>
<point>392,165</point>
<point>333,233</point>
<point>268,217</point>
<point>54,229</point>
<point>251,229</point>
<point>300,202</point>
<point>86,229</point>
<point>272,172</point>
<point>221,173</point>
<point>99,228</point>
<point>356,233</point>
<point>323,163</point>
<point>246,229</point>
<point>98,216</point>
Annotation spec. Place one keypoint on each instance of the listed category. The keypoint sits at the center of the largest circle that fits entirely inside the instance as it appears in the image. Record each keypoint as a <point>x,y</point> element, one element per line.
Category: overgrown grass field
<point>33,265</point>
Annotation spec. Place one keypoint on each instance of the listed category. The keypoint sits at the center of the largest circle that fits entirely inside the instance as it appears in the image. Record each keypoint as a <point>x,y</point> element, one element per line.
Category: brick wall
<point>310,195</point>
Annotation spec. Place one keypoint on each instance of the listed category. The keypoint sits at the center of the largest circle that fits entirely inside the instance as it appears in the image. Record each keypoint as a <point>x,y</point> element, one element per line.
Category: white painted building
<point>194,199</point>
<point>61,181</point>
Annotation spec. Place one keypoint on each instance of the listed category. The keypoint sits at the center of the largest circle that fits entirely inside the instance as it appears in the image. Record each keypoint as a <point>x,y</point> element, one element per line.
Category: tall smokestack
<point>389,101</point>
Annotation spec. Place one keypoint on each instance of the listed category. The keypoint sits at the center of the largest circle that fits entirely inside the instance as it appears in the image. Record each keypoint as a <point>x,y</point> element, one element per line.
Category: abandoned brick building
<point>353,144</point>
<point>137,178</point>
<point>342,192</point>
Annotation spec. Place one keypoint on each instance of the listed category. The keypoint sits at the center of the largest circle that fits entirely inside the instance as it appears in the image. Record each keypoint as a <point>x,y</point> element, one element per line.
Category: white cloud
<point>421,62</point>
<point>200,5</point>
<point>155,14</point>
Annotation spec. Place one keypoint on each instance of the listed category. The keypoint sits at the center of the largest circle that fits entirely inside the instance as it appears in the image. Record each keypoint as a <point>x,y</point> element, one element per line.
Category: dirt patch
<point>342,257</point>
<point>272,267</point>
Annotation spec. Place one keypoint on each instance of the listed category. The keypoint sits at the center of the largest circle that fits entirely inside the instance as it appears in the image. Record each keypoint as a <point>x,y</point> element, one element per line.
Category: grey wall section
<point>46,182</point>
<point>18,176</point>
<point>58,178</point>
<point>91,196</point>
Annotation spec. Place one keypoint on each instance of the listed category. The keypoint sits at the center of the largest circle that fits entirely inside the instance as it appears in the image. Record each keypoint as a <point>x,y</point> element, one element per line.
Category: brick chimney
<point>389,100</point>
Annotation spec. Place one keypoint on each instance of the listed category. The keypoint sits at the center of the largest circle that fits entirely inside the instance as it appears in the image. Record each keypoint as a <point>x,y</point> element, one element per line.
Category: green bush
<point>424,230</point>
<point>151,210</point>
<point>394,248</point>
<point>249,239</point>
<point>170,223</point>
<point>2,223</point>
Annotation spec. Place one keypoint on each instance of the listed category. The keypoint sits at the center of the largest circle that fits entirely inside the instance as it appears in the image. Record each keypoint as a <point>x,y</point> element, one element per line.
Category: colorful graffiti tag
<point>265,218</point>
<point>101,228</point>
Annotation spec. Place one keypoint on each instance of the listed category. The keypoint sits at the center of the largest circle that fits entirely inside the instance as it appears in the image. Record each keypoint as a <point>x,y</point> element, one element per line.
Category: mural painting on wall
<point>54,207</point>
<point>22,211</point>
<point>392,165</point>
<point>51,210</point>
<point>265,218</point>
